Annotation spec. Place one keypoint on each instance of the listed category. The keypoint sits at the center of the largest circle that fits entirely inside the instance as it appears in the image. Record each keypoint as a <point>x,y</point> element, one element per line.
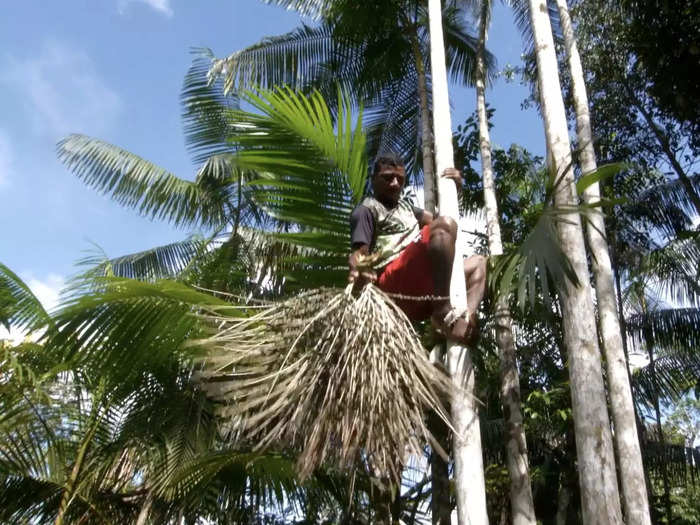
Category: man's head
<point>388,177</point>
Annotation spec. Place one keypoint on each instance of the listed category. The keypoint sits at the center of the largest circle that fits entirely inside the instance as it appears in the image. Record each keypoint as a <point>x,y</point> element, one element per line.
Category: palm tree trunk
<point>69,490</point>
<point>145,510</point>
<point>657,413</point>
<point>626,438</point>
<point>563,498</point>
<point>469,469</point>
<point>600,499</point>
<point>426,133</point>
<point>522,505</point>
<point>440,504</point>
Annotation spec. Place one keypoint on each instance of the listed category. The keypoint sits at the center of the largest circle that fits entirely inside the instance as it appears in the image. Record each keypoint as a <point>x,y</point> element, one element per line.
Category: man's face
<point>388,183</point>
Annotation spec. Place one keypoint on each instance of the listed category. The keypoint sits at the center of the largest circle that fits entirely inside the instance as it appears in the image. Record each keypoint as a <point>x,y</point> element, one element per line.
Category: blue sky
<point>113,69</point>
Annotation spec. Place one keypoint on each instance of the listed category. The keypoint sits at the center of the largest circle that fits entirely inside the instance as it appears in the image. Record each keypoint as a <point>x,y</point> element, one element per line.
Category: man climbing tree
<point>413,253</point>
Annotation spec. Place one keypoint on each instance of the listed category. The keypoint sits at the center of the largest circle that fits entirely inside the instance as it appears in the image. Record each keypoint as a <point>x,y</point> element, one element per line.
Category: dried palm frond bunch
<point>342,376</point>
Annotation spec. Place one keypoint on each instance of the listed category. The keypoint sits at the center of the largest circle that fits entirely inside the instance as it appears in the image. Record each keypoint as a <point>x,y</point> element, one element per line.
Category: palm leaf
<point>123,327</point>
<point>460,49</point>
<point>19,307</point>
<point>538,260</point>
<point>138,184</point>
<point>161,262</point>
<point>294,59</point>
<point>311,176</point>
<point>205,110</point>
<point>311,8</point>
<point>670,331</point>
<point>675,268</point>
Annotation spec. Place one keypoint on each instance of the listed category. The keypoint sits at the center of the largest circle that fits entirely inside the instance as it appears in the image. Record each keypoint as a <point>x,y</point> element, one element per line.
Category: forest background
<point>65,87</point>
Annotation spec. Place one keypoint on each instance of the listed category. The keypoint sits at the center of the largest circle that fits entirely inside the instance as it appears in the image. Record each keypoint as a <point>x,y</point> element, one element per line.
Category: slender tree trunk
<point>142,518</point>
<point>440,504</point>
<point>469,469</point>
<point>426,133</point>
<point>600,499</point>
<point>657,413</point>
<point>563,498</point>
<point>626,439</point>
<point>69,490</point>
<point>522,505</point>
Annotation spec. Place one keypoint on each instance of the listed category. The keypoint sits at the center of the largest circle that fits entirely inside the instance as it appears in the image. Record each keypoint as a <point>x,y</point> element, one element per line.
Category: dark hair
<point>388,158</point>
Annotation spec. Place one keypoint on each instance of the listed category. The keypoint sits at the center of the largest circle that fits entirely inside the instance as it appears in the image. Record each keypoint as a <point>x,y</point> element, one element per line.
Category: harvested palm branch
<point>343,376</point>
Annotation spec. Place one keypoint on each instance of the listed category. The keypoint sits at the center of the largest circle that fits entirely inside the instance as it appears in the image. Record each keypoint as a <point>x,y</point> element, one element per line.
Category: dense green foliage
<point>102,419</point>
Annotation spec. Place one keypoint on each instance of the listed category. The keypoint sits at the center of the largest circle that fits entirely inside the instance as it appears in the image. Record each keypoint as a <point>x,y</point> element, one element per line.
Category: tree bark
<point>600,501</point>
<point>522,505</point>
<point>626,438</point>
<point>469,469</point>
<point>426,133</point>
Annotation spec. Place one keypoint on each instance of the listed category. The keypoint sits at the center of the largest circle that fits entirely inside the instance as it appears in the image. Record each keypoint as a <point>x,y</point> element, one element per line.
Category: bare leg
<point>475,276</point>
<point>441,249</point>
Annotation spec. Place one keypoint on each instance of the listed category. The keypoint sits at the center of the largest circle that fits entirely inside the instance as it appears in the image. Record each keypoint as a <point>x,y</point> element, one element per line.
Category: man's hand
<point>359,273</point>
<point>455,175</point>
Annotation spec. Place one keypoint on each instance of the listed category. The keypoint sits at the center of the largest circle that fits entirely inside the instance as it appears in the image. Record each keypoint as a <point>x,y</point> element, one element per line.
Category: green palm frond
<point>460,49</point>
<point>161,262</point>
<point>670,379</point>
<point>538,260</point>
<point>393,125</point>
<point>313,170</point>
<point>19,307</point>
<point>671,331</point>
<point>676,269</point>
<point>121,327</point>
<point>312,8</point>
<point>672,193</point>
<point>292,59</point>
<point>138,184</point>
<point>205,110</point>
<point>264,481</point>
<point>358,47</point>
<point>664,206</point>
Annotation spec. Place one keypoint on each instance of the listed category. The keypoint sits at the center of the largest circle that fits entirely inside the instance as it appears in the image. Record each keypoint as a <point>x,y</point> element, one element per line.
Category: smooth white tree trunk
<point>600,501</point>
<point>521,503</point>
<point>469,469</point>
<point>626,438</point>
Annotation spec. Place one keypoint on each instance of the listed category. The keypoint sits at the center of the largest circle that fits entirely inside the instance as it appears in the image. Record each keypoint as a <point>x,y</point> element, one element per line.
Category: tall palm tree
<point>469,471</point>
<point>626,437</point>
<point>597,476</point>
<point>522,506</point>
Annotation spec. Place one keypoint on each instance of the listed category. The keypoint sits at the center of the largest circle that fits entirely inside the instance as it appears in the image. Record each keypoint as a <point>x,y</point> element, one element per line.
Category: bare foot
<point>464,328</point>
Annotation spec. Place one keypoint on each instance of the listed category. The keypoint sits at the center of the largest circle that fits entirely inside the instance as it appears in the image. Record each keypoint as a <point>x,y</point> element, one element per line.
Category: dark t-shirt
<point>362,226</point>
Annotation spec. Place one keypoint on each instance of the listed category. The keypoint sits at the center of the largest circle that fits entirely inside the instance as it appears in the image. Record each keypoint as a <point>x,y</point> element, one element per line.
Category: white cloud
<point>6,158</point>
<point>47,291</point>
<point>162,6</point>
<point>62,91</point>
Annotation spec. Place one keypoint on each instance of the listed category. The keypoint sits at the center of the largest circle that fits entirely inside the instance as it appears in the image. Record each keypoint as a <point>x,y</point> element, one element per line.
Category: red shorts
<point>411,274</point>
